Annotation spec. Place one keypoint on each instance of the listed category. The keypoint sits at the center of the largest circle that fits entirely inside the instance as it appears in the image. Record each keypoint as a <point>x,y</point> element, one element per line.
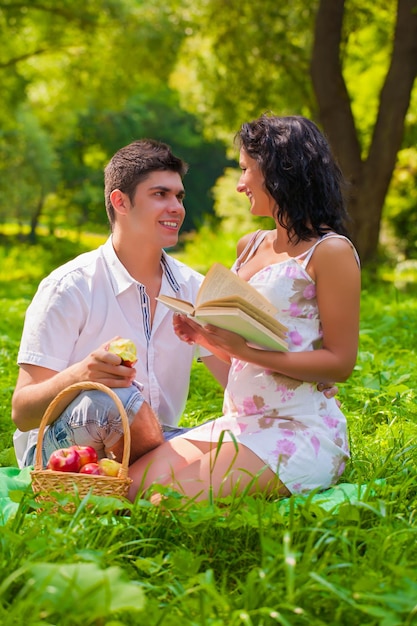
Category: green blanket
<point>11,479</point>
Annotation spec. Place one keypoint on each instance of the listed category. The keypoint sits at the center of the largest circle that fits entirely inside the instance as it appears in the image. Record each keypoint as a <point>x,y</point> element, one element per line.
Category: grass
<point>245,561</point>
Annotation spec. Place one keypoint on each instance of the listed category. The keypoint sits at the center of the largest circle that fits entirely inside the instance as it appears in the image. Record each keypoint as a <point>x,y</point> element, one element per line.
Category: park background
<point>78,82</point>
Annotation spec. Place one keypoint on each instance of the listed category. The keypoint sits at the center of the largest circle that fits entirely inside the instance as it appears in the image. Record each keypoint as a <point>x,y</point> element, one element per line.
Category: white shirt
<point>93,298</point>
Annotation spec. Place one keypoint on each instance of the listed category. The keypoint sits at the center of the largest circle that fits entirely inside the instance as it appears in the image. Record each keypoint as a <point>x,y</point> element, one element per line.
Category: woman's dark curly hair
<point>300,173</point>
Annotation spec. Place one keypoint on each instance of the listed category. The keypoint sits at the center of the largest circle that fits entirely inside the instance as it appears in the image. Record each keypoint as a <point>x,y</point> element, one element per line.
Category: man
<point>80,307</point>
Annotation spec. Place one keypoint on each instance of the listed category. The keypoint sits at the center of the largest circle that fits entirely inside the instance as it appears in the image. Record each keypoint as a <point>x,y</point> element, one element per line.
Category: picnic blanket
<point>14,480</point>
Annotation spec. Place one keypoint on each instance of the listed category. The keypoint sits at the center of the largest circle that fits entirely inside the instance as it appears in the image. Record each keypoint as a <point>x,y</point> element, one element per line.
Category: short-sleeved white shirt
<point>93,298</point>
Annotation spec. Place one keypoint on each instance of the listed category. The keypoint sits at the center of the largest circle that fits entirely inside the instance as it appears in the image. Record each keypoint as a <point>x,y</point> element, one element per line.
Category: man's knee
<point>95,419</point>
<point>146,432</point>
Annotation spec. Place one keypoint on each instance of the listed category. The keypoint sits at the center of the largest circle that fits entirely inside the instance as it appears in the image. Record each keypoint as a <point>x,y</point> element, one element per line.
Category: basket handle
<point>52,413</point>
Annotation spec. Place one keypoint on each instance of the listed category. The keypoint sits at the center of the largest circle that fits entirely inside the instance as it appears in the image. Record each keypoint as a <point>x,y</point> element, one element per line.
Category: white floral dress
<point>291,426</point>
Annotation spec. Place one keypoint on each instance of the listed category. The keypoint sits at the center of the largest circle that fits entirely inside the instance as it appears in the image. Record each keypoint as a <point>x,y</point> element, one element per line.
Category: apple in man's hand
<point>125,349</point>
<point>64,460</point>
<point>91,468</point>
<point>109,467</point>
<point>87,454</point>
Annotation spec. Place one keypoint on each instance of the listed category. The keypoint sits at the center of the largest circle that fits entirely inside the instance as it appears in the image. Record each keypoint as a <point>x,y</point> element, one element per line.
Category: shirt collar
<point>168,267</point>
<point>120,278</point>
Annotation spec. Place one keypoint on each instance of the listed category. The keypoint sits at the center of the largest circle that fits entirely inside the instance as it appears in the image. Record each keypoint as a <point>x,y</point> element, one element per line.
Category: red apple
<point>91,468</point>
<point>87,454</point>
<point>125,349</point>
<point>64,460</point>
<point>109,467</point>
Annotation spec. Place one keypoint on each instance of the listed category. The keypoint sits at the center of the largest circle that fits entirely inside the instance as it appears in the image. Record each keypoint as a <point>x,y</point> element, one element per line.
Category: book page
<point>221,282</point>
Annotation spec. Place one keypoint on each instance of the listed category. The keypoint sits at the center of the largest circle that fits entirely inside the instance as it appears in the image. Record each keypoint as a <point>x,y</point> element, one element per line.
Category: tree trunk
<point>34,220</point>
<point>369,179</point>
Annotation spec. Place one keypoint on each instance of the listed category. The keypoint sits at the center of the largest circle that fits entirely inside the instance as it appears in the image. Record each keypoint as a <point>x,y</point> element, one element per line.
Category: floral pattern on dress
<point>284,381</point>
<point>253,405</point>
<point>284,450</point>
<point>292,425</point>
<point>269,420</point>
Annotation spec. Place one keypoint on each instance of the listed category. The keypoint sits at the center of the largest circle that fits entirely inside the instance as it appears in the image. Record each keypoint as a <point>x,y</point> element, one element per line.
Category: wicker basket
<point>46,484</point>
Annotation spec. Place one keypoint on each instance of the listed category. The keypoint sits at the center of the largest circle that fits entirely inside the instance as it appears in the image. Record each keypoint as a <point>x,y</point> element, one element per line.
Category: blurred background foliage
<point>80,80</point>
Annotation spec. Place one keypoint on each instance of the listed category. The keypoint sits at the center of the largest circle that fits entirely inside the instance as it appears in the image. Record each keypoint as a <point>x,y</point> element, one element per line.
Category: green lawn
<point>324,559</point>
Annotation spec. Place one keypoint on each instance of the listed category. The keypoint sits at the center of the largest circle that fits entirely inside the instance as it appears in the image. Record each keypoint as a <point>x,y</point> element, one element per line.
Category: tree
<point>369,176</point>
<point>294,58</point>
<point>29,170</point>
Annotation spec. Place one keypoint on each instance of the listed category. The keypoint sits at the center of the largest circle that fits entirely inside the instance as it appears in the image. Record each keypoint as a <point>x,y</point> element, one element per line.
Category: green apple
<point>109,467</point>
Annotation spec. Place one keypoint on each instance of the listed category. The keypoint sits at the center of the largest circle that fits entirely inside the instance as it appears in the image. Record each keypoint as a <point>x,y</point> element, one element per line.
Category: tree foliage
<point>91,78</point>
<point>80,80</point>
<point>289,58</point>
<point>240,61</point>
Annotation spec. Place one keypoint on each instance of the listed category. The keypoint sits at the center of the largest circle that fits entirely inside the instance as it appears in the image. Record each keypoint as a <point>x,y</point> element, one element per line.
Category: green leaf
<point>94,591</point>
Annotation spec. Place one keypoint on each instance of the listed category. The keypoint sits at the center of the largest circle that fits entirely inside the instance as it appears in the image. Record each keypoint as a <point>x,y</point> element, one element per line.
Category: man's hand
<point>185,329</point>
<point>102,366</point>
<point>189,331</point>
<point>330,390</point>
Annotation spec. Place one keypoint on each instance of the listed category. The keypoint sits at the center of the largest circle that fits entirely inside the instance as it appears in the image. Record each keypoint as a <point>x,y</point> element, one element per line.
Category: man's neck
<point>142,260</point>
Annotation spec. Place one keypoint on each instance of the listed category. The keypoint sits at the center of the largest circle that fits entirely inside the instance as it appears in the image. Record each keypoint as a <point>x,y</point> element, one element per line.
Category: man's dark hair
<point>132,164</point>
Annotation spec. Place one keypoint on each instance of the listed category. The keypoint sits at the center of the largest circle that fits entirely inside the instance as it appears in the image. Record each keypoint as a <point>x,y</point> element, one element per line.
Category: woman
<point>278,434</point>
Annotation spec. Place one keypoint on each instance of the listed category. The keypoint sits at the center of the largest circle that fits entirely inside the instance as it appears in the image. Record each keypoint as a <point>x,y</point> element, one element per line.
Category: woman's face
<point>252,183</point>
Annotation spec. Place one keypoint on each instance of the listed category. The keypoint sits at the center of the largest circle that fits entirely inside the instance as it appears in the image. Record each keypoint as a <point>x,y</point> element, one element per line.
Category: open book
<point>227,301</point>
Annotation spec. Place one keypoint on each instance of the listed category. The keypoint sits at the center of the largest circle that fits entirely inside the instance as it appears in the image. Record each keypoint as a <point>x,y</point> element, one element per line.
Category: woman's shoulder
<point>334,243</point>
<point>247,240</point>
<point>243,242</point>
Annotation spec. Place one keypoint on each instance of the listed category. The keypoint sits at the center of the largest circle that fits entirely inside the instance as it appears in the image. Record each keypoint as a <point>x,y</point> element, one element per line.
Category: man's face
<point>157,209</point>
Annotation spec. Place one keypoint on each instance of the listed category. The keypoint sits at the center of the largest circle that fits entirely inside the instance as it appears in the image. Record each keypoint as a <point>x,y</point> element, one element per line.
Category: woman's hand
<point>224,340</point>
<point>222,343</point>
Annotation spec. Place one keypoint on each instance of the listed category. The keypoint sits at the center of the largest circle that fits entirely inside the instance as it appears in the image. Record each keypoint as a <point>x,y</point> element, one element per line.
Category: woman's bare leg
<point>197,469</point>
<point>161,464</point>
<point>225,470</point>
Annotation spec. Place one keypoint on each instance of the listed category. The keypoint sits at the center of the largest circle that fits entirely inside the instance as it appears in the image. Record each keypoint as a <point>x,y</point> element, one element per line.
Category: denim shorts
<point>91,419</point>
<point>173,431</point>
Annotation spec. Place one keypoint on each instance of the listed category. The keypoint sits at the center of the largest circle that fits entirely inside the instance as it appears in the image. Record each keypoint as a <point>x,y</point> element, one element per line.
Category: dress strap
<point>250,248</point>
<point>306,256</point>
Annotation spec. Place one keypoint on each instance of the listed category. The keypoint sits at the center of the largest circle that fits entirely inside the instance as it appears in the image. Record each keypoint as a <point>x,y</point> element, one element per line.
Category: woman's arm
<point>219,369</point>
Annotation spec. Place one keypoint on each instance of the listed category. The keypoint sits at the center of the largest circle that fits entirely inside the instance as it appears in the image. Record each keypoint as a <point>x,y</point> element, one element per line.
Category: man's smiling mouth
<point>170,224</point>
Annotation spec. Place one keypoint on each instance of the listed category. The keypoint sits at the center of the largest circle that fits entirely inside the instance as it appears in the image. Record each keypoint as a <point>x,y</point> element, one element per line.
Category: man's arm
<point>37,386</point>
